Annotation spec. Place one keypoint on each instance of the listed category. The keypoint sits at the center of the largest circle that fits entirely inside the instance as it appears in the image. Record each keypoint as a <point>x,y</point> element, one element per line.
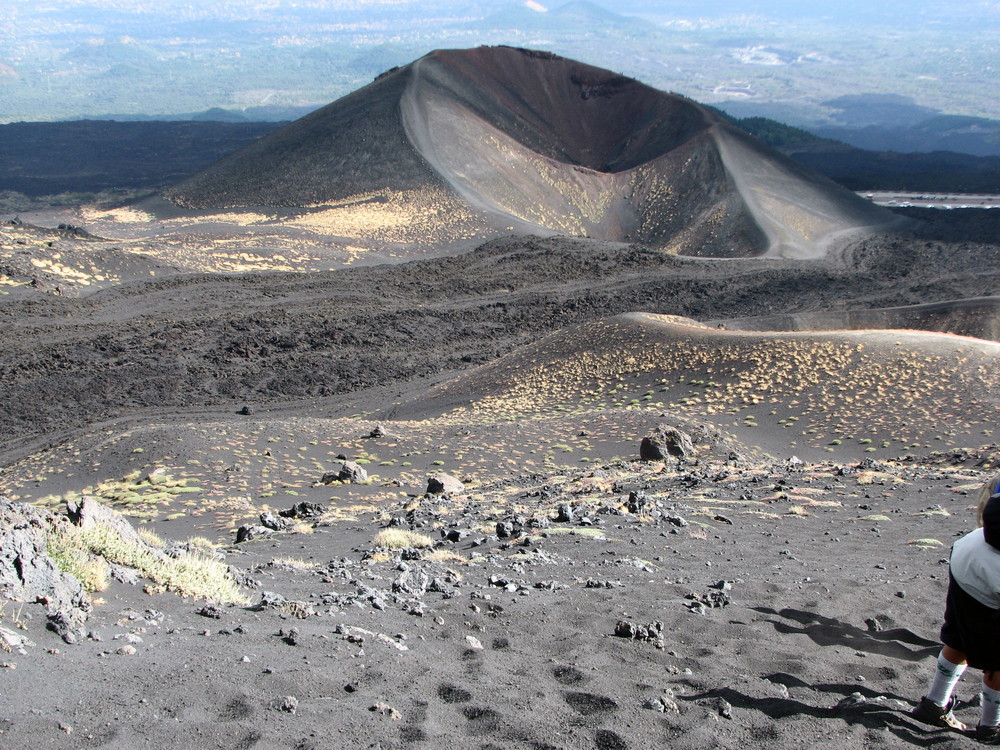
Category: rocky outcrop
<point>90,513</point>
<point>28,574</point>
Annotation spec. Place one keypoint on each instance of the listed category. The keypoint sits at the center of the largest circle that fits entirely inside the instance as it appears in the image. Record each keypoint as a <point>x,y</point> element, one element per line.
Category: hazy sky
<point>70,58</point>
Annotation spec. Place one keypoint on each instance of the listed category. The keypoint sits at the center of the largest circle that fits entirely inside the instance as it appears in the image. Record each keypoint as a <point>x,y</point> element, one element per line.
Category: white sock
<point>991,707</point>
<point>946,677</point>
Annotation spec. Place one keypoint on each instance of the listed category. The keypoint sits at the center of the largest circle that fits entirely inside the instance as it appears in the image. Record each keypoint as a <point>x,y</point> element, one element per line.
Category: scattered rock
<point>715,599</point>
<point>270,600</point>
<point>350,471</point>
<point>639,502</point>
<point>455,535</point>
<point>386,710</point>
<point>675,520</point>
<point>593,583</point>
<point>298,609</point>
<point>856,701</point>
<point>724,708</point>
<point>665,442</point>
<point>663,705</point>
<point>441,483</point>
<point>652,633</point>
<point>411,583</point>
<point>270,521</point>
<point>125,574</point>
<point>248,532</point>
<point>13,642</point>
<point>212,611</point>
<point>304,510</point>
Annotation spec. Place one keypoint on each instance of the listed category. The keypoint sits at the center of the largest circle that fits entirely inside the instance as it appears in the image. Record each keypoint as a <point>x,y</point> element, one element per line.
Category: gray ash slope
<point>534,142</point>
<point>228,340</point>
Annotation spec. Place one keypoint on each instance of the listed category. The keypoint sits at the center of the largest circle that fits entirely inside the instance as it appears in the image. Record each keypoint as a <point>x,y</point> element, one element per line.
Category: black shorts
<point>972,628</point>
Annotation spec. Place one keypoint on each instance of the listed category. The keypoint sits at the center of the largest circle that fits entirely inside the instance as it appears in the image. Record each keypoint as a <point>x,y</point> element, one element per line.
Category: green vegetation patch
<point>87,552</point>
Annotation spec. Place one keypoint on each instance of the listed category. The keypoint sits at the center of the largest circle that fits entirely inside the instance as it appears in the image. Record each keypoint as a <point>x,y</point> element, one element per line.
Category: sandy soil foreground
<point>702,602</point>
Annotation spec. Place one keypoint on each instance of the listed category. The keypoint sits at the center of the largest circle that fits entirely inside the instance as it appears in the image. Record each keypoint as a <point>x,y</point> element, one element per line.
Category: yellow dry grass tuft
<point>446,555</point>
<point>150,537</point>
<point>191,574</point>
<point>401,539</point>
<point>926,543</point>
<point>91,571</point>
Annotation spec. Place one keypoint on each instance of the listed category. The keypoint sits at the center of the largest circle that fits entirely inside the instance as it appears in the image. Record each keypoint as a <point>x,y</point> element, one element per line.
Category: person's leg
<point>950,666</point>
<point>935,707</point>
<point>953,655</point>
<point>989,719</point>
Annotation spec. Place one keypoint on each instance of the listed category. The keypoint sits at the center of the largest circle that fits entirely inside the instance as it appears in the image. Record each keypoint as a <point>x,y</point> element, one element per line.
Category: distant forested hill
<point>94,159</point>
<point>91,156</point>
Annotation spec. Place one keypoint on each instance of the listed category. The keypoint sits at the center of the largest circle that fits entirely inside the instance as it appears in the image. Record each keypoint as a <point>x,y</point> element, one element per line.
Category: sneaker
<point>931,713</point>
<point>989,735</point>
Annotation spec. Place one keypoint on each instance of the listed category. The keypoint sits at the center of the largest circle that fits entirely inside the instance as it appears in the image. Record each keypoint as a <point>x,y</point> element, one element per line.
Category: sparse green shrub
<point>191,574</point>
<point>92,572</point>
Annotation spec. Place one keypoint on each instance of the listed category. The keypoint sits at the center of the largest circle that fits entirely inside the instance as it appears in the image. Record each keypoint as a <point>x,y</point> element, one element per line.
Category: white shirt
<point>975,566</point>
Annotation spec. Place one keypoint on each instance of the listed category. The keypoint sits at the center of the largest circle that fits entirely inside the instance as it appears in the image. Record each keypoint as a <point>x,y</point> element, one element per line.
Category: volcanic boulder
<point>665,442</point>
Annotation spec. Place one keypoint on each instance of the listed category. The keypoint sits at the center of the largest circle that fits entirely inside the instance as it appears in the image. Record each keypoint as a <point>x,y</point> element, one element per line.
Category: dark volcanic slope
<point>45,158</point>
<point>534,142</point>
<point>979,317</point>
<point>189,341</point>
<point>349,147</point>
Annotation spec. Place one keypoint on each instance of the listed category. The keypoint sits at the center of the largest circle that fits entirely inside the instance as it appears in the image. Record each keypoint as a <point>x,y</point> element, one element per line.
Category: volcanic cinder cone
<point>531,142</point>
